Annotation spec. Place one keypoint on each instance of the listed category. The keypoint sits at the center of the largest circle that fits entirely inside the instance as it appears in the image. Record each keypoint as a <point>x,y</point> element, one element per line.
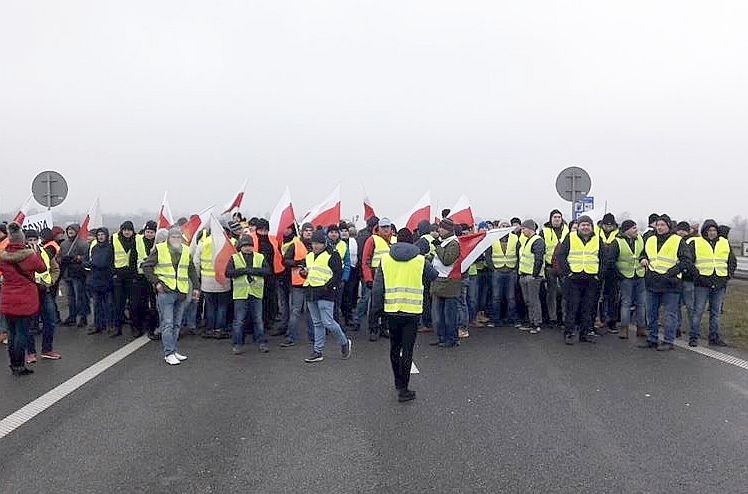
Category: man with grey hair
<point>170,270</point>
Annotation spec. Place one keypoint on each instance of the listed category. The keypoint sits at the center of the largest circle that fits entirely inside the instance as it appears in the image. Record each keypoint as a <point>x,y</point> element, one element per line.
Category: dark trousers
<point>610,307</point>
<point>426,317</point>
<point>485,289</point>
<point>48,316</point>
<point>350,294</point>
<point>338,303</point>
<point>122,295</point>
<point>142,304</point>
<point>284,292</point>
<point>18,331</point>
<point>403,330</point>
<point>583,295</point>
<point>216,309</point>
<point>270,302</point>
<point>77,300</point>
<point>102,309</point>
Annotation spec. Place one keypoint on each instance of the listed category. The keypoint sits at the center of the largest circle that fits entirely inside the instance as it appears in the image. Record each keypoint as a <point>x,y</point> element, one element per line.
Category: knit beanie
<point>404,236</point>
<point>609,219</point>
<point>682,226</point>
<point>585,219</point>
<point>627,225</point>
<point>151,225</point>
<point>318,237</point>
<point>529,224</point>
<point>447,224</point>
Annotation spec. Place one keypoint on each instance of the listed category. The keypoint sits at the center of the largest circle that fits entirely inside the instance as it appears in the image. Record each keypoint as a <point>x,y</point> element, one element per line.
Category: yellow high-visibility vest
<point>121,258</point>
<point>628,260</point>
<point>207,269</point>
<point>505,258</point>
<point>584,258</point>
<point>318,269</point>
<point>342,248</point>
<point>403,284</point>
<point>44,278</point>
<point>712,261</point>
<point>242,288</point>
<point>177,280</point>
<point>432,248</point>
<point>526,257</point>
<point>381,247</point>
<point>607,239</point>
<point>141,251</point>
<point>664,259</point>
<point>552,240</point>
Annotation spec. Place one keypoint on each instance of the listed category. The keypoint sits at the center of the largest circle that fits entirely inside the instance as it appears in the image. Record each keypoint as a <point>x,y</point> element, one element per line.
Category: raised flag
<point>283,215</point>
<point>165,218</point>
<point>91,221</point>
<point>368,207</point>
<point>236,203</point>
<point>23,211</point>
<point>419,212</point>
<point>223,249</point>
<point>325,213</point>
<point>194,224</point>
<point>462,213</point>
<point>472,246</point>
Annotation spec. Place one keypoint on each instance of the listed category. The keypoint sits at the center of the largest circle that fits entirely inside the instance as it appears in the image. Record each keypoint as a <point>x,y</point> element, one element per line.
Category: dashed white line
<point>708,352</point>
<point>28,412</point>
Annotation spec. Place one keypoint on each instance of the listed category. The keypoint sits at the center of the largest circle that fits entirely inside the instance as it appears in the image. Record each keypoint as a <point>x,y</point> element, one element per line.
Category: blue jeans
<point>18,329</point>
<point>686,300</point>
<point>189,314</point>
<point>77,300</point>
<point>669,302</point>
<point>48,315</point>
<point>248,310</point>
<point>504,283</point>
<point>485,281</point>
<point>322,318</point>
<point>462,305</point>
<point>216,308</point>
<point>472,298</point>
<point>633,293</point>
<point>445,319</point>
<point>103,309</point>
<point>362,309</point>
<point>296,310</point>
<point>715,296</point>
<point>171,310</point>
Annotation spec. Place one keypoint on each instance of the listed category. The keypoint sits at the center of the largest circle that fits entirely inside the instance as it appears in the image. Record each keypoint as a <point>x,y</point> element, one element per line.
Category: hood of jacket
<point>404,252</point>
<point>15,253</point>
<point>424,227</point>
<point>707,225</point>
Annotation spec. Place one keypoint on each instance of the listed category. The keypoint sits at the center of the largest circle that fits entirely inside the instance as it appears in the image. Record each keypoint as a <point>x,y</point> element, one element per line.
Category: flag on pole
<point>472,246</point>
<point>419,212</point>
<point>91,221</point>
<point>462,213</point>
<point>236,203</point>
<point>283,216</point>
<point>23,211</point>
<point>223,249</point>
<point>325,213</point>
<point>165,218</point>
<point>194,224</point>
<point>368,207</point>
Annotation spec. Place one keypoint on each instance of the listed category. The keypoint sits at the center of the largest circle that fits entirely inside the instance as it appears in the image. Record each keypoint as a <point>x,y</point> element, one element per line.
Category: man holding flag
<point>447,287</point>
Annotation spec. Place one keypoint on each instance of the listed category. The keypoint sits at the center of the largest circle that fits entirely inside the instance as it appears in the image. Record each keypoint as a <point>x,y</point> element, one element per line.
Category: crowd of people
<point>583,278</point>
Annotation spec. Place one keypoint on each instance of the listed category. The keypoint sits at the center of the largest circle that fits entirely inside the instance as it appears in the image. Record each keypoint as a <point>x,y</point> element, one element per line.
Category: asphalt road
<point>505,412</point>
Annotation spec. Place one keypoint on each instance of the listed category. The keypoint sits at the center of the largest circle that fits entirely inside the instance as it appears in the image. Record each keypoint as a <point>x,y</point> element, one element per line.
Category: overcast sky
<point>491,99</point>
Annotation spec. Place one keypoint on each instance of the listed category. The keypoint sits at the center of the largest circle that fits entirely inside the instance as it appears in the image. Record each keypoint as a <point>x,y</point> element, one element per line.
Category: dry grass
<point>735,316</point>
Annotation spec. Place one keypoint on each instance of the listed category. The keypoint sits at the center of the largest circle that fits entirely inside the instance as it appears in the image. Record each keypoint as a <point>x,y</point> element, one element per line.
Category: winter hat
<point>15,234</point>
<point>585,219</point>
<point>245,240</point>
<point>318,237</point>
<point>404,236</point>
<point>46,235</point>
<point>447,224</point>
<point>666,219</point>
<point>529,224</point>
<point>483,225</point>
<point>445,212</point>
<point>57,230</point>
<point>385,222</point>
<point>555,211</point>
<point>424,227</point>
<point>434,227</point>
<point>262,224</point>
<point>74,226</point>
<point>372,222</point>
<point>515,221</point>
<point>609,219</point>
<point>333,228</point>
<point>307,226</point>
<point>31,234</point>
<point>127,225</point>
<point>627,225</point>
<point>683,226</point>
<point>653,217</point>
<point>151,225</point>
<point>181,221</point>
<point>3,228</point>
<point>235,227</point>
<point>723,231</point>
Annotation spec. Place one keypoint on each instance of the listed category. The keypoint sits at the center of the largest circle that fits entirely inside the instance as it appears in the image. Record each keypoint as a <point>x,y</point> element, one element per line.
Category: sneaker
<point>95,331</point>
<point>153,336</point>
<point>693,342</point>
<point>172,359</point>
<point>51,355</point>
<point>463,333</point>
<point>22,371</point>
<point>569,338</point>
<point>237,349</point>
<point>535,330</point>
<point>288,344</point>
<point>522,327</point>
<point>314,357</point>
<point>448,345</point>
<point>346,350</point>
<point>180,357</point>
<point>406,395</point>
<point>490,325</point>
<point>718,342</point>
<point>665,347</point>
<point>31,358</point>
<point>648,344</point>
<point>264,348</point>
<point>68,322</point>
<point>590,337</point>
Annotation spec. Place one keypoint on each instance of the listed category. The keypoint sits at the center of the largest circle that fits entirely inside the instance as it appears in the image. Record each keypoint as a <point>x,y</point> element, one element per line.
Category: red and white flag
<point>236,203</point>
<point>419,212</point>
<point>283,216</point>
<point>223,249</point>
<point>368,207</point>
<point>325,213</point>
<point>165,218</point>
<point>195,223</point>
<point>91,221</point>
<point>472,246</point>
<point>462,213</point>
<point>23,211</point>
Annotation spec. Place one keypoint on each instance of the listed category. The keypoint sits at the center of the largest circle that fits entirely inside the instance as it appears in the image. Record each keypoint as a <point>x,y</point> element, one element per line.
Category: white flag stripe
<point>329,203</point>
<point>491,237</point>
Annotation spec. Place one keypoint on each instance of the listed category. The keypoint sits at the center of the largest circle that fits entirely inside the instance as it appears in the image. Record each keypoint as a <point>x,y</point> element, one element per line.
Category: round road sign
<point>572,183</point>
<point>49,189</point>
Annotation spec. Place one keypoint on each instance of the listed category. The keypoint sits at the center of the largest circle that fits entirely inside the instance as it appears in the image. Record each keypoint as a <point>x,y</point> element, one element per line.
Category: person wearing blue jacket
<point>100,263</point>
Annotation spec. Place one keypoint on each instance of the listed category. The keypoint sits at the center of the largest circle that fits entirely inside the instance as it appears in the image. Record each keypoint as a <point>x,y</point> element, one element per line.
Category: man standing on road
<point>375,247</point>
<point>143,303</point>
<point>46,283</point>
<point>531,264</point>
<point>608,310</point>
<point>73,252</point>
<point>323,272</point>
<point>125,271</point>
<point>683,230</point>
<point>715,264</point>
<point>170,270</point>
<point>623,258</point>
<point>666,256</point>
<point>294,259</point>
<point>446,289</point>
<point>502,260</point>
<point>334,240</point>
<point>553,232</point>
<point>217,295</point>
<point>397,293</point>
<point>350,287</point>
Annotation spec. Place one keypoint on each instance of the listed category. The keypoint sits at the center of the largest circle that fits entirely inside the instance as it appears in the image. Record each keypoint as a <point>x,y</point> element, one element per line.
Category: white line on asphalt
<point>28,412</point>
<point>413,368</point>
<point>708,352</point>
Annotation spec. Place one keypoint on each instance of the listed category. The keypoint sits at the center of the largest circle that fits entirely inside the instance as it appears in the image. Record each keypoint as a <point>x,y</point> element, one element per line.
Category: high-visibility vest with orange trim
<point>299,254</point>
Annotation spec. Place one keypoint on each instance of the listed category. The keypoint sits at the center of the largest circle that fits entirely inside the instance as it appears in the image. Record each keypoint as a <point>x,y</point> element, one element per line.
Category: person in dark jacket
<point>715,265</point>
<point>683,230</point>
<point>73,253</point>
<point>664,281</point>
<point>427,235</point>
<point>100,280</point>
<point>294,258</point>
<point>582,281</point>
<point>623,259</point>
<point>402,323</point>
<point>19,262</point>
<point>143,303</point>
<point>553,233</point>
<point>531,254</point>
<point>265,247</point>
<point>125,271</point>
<point>323,271</point>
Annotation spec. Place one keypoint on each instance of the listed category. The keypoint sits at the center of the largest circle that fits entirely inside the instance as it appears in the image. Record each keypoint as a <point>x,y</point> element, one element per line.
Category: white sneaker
<point>172,359</point>
<point>535,330</point>
<point>180,357</point>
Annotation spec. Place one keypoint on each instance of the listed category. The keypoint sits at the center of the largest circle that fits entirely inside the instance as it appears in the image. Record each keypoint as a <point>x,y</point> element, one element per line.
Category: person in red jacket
<point>20,301</point>
<point>374,248</point>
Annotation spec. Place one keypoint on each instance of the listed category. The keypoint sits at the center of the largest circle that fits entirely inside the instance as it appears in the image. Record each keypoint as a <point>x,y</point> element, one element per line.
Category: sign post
<point>49,189</point>
<point>572,184</point>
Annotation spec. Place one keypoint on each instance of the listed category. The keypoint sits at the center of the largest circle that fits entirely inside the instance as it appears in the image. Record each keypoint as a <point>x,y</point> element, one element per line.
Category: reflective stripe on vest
<point>242,288</point>
<point>141,251</point>
<point>552,240</point>
<point>381,247</point>
<point>526,257</point>
<point>628,261</point>
<point>121,258</point>
<point>607,238</point>
<point>318,269</point>
<point>505,258</point>
<point>712,261</point>
<point>44,278</point>
<point>584,257</point>
<point>403,284</point>
<point>176,280</point>
<point>54,246</point>
<point>664,259</point>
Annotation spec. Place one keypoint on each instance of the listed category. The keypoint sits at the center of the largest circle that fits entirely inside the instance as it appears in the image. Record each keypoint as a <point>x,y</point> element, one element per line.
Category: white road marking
<point>708,352</point>
<point>413,368</point>
<point>28,412</point>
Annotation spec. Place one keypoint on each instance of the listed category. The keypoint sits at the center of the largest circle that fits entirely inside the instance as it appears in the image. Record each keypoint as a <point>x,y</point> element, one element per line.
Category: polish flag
<point>472,246</point>
<point>462,213</point>
<point>419,212</point>
<point>23,211</point>
<point>91,221</point>
<point>327,212</point>
<point>194,224</point>
<point>368,208</point>
<point>234,205</point>
<point>165,218</point>
<point>223,249</point>
<point>283,216</point>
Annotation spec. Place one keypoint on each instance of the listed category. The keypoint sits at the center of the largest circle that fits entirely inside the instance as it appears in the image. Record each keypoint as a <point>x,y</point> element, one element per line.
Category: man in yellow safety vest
<point>623,258</point>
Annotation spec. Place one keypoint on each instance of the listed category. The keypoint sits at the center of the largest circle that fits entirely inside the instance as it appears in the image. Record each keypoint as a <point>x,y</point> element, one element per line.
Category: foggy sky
<point>491,99</point>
